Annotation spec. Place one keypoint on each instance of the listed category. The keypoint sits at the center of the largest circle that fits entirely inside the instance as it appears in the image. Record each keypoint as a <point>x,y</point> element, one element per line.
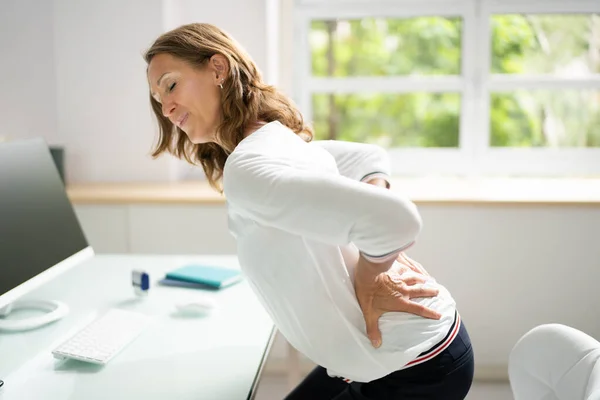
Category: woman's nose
<point>168,108</point>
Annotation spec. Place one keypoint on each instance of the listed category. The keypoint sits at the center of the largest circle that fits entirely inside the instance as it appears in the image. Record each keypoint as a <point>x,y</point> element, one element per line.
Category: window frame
<point>475,84</point>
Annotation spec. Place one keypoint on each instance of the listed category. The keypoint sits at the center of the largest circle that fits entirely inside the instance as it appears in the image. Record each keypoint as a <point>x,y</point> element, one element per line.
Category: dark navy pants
<point>448,376</point>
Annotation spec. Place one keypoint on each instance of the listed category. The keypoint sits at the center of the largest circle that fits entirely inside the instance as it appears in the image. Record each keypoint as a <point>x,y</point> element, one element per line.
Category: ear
<point>220,66</point>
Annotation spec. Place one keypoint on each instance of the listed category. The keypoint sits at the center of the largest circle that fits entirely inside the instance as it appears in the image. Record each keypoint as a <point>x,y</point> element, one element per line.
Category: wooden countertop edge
<point>431,192</point>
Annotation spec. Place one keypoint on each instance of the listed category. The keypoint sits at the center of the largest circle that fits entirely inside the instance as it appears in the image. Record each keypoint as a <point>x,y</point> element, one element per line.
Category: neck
<point>253,127</point>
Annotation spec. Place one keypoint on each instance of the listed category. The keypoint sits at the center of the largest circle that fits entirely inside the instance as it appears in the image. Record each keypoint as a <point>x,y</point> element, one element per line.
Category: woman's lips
<point>182,120</point>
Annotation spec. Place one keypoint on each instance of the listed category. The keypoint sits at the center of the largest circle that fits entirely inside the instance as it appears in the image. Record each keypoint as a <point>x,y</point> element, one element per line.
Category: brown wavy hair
<point>246,99</point>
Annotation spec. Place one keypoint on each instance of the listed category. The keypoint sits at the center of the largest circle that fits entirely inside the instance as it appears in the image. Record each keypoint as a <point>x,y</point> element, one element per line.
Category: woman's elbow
<point>409,224</point>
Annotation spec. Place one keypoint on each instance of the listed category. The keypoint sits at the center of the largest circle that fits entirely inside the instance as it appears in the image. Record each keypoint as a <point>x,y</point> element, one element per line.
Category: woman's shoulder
<point>255,154</point>
<point>271,151</point>
<point>268,135</point>
<point>272,140</point>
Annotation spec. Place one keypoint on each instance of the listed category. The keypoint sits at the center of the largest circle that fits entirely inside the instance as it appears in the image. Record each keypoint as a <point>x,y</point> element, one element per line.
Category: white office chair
<point>555,362</point>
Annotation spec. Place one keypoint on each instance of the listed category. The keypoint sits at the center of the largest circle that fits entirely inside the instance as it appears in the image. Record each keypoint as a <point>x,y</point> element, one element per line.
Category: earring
<point>221,84</point>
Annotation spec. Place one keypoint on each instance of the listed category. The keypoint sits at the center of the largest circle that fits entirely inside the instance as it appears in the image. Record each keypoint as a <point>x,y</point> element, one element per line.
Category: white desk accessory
<point>198,306</point>
<point>55,311</point>
<point>104,337</point>
<point>141,282</point>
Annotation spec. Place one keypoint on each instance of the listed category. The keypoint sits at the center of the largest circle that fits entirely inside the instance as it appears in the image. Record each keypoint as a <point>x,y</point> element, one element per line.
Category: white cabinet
<point>179,229</point>
<point>156,228</point>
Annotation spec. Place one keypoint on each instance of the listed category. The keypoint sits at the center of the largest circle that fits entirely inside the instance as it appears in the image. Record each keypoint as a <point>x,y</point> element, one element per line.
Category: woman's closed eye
<point>172,86</point>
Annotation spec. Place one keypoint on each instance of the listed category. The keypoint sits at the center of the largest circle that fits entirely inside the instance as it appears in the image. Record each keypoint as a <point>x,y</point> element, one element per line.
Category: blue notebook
<point>215,277</point>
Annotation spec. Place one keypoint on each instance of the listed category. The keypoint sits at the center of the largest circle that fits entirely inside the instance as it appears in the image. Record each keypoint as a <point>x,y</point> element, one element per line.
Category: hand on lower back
<point>391,290</point>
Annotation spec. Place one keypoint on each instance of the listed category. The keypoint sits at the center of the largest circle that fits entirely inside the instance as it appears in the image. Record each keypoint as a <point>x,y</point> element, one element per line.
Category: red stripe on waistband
<point>440,348</point>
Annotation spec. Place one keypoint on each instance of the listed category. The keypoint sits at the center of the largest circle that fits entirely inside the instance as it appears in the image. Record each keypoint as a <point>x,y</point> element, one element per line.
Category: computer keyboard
<point>104,337</point>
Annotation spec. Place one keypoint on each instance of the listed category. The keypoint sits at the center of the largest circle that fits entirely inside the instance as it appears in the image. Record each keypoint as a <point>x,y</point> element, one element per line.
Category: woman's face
<point>190,97</point>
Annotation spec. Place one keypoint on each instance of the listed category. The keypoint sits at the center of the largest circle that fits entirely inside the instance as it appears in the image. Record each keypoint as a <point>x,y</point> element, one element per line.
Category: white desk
<point>218,357</point>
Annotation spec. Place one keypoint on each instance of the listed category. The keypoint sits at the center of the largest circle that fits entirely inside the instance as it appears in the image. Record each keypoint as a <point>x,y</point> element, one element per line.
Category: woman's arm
<point>323,206</point>
<point>358,161</point>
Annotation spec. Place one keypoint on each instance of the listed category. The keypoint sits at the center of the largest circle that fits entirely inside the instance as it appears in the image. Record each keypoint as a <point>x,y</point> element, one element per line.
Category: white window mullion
<point>302,65</point>
<point>428,162</point>
<point>384,9</point>
<point>469,102</point>
<point>542,162</point>
<point>509,83</point>
<point>543,6</point>
<point>482,65</point>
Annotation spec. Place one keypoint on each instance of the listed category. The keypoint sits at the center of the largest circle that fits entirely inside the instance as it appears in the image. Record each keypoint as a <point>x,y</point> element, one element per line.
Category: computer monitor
<point>40,235</point>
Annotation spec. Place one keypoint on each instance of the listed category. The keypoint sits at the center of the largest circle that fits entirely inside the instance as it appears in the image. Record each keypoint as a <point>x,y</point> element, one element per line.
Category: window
<point>387,47</point>
<point>455,86</point>
<point>562,47</point>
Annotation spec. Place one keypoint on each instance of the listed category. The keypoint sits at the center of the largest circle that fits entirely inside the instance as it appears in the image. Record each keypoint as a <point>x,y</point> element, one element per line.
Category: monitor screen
<point>38,226</point>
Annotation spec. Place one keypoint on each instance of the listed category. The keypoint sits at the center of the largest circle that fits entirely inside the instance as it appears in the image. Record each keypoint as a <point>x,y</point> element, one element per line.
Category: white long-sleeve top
<point>300,215</point>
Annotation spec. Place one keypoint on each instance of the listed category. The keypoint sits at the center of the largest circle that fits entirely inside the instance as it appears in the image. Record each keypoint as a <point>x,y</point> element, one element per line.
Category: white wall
<point>27,70</point>
<point>104,117</point>
<point>245,20</point>
<point>73,72</point>
<point>512,267</point>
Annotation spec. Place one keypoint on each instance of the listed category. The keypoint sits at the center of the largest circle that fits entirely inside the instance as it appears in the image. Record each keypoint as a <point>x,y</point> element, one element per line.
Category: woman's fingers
<point>418,309</point>
<point>409,280</point>
<point>421,291</point>
<point>410,286</point>
<point>372,321</point>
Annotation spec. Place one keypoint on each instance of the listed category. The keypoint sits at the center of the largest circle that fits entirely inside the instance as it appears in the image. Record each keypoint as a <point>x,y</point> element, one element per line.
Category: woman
<point>322,249</point>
